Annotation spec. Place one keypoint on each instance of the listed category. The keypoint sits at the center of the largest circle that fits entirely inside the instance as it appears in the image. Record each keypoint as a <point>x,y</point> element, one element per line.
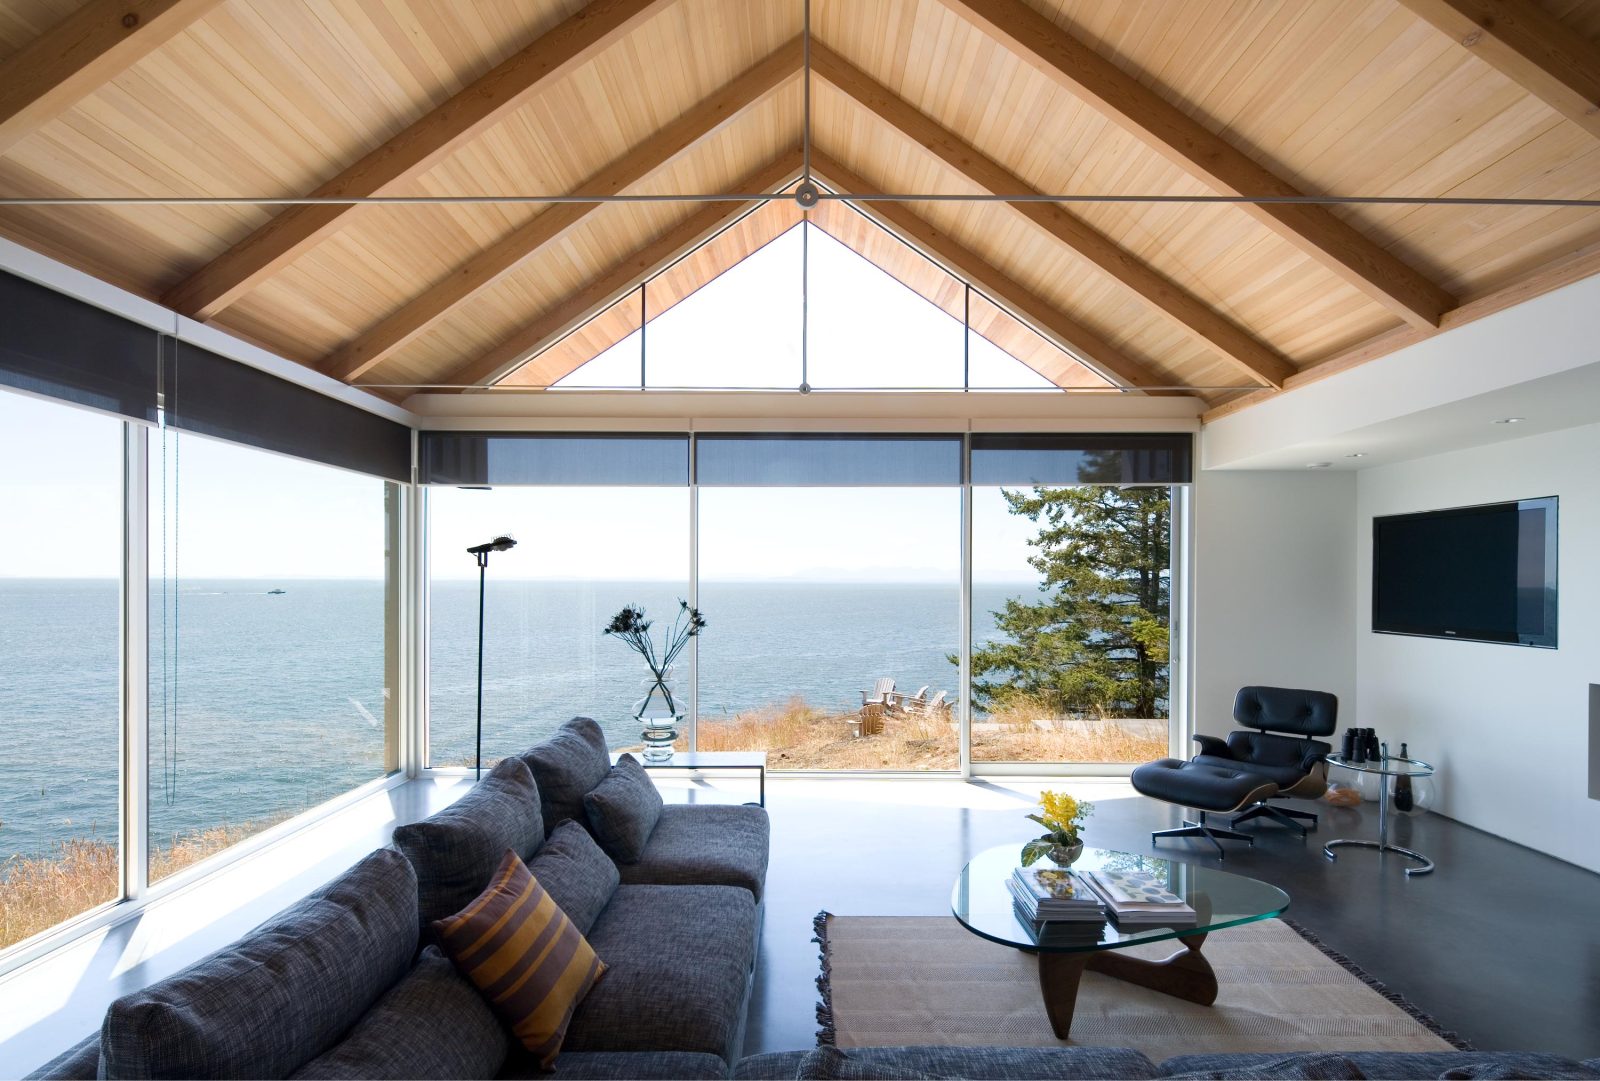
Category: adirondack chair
<point>911,703</point>
<point>879,695</point>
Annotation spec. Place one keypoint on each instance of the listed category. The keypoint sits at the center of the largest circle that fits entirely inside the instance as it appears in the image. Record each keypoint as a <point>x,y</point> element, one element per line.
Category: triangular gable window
<point>835,302</point>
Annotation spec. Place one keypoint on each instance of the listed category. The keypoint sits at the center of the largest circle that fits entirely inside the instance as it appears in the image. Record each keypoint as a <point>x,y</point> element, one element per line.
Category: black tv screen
<point>1485,574</point>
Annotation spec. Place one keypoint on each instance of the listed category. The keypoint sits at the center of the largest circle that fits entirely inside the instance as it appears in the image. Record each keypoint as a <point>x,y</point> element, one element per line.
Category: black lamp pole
<point>481,552</point>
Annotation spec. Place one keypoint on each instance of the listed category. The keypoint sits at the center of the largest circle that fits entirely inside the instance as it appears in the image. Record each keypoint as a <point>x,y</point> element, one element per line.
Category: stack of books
<point>1135,899</point>
<point>1056,906</point>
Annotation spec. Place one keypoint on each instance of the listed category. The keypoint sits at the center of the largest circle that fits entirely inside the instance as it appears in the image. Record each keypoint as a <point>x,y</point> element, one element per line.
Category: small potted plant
<point>1063,817</point>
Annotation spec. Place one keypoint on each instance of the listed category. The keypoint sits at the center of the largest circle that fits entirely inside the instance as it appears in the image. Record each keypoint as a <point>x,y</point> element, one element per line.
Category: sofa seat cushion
<point>1400,1065</point>
<point>280,996</point>
<point>566,767</point>
<point>679,962</point>
<point>1280,775</point>
<point>979,1063</point>
<point>576,873</point>
<point>705,845</point>
<point>620,1066</point>
<point>432,1024</point>
<point>457,850</point>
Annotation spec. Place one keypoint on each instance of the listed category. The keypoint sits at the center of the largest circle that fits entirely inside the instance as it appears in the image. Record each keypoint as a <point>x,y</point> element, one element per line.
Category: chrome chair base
<point>1286,815</point>
<point>1215,834</point>
<point>1427,864</point>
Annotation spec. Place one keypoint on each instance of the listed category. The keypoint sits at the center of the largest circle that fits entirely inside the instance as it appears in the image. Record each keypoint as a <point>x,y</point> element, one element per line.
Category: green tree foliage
<point>1098,641</point>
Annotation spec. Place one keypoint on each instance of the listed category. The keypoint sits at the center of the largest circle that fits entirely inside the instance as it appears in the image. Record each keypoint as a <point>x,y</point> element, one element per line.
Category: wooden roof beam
<point>1529,47</point>
<point>82,53</point>
<point>383,340</point>
<point>1253,356</point>
<point>1084,343</point>
<point>623,278</point>
<point>1197,150</point>
<point>258,256</point>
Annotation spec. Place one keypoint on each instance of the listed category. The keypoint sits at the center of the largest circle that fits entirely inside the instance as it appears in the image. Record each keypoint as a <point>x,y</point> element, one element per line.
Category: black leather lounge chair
<point>1242,773</point>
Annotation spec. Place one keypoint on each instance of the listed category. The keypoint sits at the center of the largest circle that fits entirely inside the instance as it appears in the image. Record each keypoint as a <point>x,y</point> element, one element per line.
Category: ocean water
<point>265,705</point>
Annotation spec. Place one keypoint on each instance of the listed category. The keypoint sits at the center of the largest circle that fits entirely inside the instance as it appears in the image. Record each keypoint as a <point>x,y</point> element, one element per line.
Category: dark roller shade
<point>653,459</point>
<point>56,345</point>
<point>211,395</point>
<point>814,460</point>
<point>1085,458</point>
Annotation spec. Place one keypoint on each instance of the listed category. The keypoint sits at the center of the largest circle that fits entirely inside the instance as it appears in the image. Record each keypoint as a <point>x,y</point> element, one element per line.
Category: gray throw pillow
<point>1310,1066</point>
<point>576,874</point>
<point>457,850</point>
<point>432,1024</point>
<point>623,809</point>
<point>566,766</point>
<point>280,996</point>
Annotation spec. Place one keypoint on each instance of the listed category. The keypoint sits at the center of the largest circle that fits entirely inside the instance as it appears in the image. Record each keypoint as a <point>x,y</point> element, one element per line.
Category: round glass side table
<point>1386,767</point>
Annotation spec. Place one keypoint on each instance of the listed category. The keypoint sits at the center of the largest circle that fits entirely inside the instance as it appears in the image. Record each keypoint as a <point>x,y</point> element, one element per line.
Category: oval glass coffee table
<point>982,902</point>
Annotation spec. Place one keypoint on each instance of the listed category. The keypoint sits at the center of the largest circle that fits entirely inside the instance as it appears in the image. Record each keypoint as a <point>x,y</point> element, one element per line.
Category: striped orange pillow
<point>524,956</point>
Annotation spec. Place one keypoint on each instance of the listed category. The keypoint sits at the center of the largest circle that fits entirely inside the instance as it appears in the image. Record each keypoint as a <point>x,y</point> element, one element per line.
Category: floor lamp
<point>481,553</point>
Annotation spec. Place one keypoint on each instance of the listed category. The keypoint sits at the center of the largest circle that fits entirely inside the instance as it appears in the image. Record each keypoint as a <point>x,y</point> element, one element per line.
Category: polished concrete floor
<point>1501,944</point>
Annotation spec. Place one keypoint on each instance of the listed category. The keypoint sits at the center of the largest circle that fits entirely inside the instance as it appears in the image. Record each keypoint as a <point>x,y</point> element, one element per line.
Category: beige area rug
<point>888,981</point>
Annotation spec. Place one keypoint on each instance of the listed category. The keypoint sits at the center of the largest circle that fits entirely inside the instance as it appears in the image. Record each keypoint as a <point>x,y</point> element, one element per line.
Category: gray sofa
<point>1121,1062</point>
<point>346,983</point>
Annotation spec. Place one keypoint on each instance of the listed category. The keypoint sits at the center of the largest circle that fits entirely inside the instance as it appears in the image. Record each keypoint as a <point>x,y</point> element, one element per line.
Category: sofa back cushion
<point>623,809</point>
<point>432,1024</point>
<point>566,766</point>
<point>457,850</point>
<point>281,995</point>
<point>576,874</point>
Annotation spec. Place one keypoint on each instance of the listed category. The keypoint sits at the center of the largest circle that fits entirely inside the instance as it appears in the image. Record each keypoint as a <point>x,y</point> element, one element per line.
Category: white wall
<point>1274,587</point>
<point>1506,725</point>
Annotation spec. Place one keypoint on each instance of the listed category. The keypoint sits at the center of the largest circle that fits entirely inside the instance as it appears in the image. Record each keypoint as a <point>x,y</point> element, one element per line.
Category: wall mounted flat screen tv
<point>1484,574</point>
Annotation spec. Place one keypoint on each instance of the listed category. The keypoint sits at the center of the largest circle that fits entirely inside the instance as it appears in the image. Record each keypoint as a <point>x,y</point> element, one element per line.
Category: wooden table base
<point>1186,975</point>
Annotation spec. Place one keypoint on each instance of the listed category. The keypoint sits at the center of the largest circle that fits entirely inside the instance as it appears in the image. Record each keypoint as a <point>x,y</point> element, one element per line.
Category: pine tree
<point>1098,641</point>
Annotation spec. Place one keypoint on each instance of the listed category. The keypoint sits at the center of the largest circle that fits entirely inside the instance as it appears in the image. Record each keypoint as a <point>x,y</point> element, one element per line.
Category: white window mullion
<point>135,633</point>
<point>964,676</point>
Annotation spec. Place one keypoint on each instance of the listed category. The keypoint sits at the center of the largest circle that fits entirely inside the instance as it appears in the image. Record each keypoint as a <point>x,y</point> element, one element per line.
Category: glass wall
<point>828,569</point>
<point>583,552</point>
<point>1071,603</point>
<point>273,641</point>
<point>60,663</point>
<point>835,625</point>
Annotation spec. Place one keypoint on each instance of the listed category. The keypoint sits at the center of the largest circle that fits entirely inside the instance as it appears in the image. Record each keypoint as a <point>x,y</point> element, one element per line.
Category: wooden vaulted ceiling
<point>427,98</point>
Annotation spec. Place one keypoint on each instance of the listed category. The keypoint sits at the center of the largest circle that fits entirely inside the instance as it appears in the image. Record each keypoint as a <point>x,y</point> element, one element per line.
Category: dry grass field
<point>38,893</point>
<point>798,736</point>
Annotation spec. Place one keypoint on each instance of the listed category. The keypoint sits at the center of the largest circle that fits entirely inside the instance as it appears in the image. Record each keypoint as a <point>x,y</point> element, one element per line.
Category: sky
<point>866,330</point>
<point>242,513</point>
<point>234,512</point>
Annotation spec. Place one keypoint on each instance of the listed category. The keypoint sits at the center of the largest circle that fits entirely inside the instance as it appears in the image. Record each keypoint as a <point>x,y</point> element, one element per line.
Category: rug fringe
<point>1394,997</point>
<point>826,1036</point>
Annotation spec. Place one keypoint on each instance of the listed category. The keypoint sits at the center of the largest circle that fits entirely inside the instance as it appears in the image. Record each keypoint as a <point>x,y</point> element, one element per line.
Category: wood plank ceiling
<point>428,98</point>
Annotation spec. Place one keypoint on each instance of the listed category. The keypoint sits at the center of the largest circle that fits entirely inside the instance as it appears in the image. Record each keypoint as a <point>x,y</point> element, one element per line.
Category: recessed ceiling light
<point>1357,454</point>
<point>1319,465</point>
<point>1511,420</point>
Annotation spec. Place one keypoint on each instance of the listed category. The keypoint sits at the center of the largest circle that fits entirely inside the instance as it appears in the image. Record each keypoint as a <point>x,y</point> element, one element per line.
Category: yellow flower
<point>1061,813</point>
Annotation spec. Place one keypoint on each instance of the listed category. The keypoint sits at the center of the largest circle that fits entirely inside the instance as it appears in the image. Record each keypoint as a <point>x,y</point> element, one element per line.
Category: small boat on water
<point>273,592</point>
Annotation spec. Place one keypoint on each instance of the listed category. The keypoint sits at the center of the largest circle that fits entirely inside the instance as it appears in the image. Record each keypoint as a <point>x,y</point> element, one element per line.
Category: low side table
<point>714,761</point>
<point>1392,766</point>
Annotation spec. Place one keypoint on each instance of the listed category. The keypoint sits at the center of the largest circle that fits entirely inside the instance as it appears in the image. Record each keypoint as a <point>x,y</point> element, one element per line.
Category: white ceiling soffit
<point>1538,361</point>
